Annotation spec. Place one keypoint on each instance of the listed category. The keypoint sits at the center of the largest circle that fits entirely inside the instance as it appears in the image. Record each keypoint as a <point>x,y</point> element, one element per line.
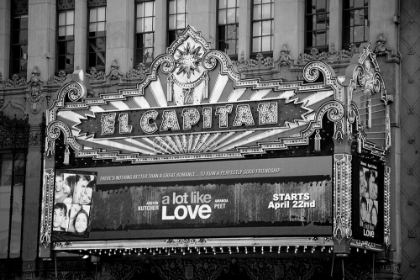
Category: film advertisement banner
<point>368,201</point>
<point>289,197</point>
<point>73,202</point>
<point>278,201</point>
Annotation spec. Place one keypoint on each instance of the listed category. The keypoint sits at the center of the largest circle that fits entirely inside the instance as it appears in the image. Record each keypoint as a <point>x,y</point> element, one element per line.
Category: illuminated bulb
<point>271,249</point>
<point>237,249</point>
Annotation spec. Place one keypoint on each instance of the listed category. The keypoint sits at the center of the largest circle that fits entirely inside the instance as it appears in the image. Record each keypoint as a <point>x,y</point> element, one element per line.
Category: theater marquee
<point>196,151</point>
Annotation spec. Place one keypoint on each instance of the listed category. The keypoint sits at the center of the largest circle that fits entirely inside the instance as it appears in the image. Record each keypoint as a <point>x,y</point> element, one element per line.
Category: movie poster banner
<point>368,192</point>
<point>73,202</point>
<point>267,197</point>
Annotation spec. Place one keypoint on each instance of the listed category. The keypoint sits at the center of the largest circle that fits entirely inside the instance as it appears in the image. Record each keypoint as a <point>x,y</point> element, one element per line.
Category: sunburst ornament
<point>189,60</point>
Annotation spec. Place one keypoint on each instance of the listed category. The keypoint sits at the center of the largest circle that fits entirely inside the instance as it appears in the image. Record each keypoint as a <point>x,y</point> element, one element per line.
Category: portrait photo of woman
<point>81,222</point>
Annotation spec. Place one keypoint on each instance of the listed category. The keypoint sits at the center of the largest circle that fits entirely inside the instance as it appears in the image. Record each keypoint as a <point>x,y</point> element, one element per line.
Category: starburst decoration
<point>189,60</point>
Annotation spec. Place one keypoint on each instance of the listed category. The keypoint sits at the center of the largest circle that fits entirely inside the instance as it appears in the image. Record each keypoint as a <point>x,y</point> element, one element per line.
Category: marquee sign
<point>260,158</point>
<point>193,105</point>
<point>186,119</point>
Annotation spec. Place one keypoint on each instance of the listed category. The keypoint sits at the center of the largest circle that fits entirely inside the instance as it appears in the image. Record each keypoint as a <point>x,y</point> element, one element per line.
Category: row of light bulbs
<point>207,250</point>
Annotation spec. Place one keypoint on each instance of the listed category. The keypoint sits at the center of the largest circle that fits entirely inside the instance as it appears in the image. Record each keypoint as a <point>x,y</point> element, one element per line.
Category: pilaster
<point>336,24</point>
<point>289,24</point>
<point>202,16</point>
<point>381,21</point>
<point>161,26</point>
<point>80,34</point>
<point>32,195</point>
<point>5,6</point>
<point>120,34</point>
<point>42,37</point>
<point>245,29</point>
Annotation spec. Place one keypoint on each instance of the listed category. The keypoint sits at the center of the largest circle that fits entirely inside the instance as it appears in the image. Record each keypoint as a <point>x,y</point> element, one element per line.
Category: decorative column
<point>42,24</point>
<point>80,34</point>
<point>5,22</point>
<point>120,34</point>
<point>245,29</point>
<point>289,24</point>
<point>202,16</point>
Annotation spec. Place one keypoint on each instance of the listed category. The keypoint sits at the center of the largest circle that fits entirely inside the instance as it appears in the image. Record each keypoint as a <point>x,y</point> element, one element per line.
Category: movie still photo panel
<point>73,201</point>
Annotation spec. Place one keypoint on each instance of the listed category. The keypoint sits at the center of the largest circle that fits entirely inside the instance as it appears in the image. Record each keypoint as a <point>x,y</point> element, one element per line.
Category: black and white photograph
<point>73,201</point>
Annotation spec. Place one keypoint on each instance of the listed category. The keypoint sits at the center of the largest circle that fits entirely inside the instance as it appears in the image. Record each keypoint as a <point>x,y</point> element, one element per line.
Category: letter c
<point>145,124</point>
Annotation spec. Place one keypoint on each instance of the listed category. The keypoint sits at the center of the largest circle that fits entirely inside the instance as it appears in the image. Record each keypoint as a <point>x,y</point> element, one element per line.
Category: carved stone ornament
<point>115,74</point>
<point>95,75</point>
<point>332,56</point>
<point>15,82</point>
<point>65,4</point>
<point>138,73</point>
<point>35,96</point>
<point>381,48</point>
<point>62,76</point>
<point>285,58</point>
<point>260,62</point>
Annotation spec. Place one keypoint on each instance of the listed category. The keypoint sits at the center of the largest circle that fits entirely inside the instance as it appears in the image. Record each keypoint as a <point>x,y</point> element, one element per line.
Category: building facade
<point>113,50</point>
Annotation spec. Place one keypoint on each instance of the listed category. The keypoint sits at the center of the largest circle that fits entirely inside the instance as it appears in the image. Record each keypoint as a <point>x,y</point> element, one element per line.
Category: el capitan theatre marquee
<point>196,155</point>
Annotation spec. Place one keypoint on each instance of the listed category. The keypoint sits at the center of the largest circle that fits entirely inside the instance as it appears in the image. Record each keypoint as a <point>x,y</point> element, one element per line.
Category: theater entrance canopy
<point>196,158</point>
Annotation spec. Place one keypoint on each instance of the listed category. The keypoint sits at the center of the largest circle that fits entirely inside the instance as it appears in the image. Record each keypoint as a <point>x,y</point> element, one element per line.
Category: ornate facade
<point>38,113</point>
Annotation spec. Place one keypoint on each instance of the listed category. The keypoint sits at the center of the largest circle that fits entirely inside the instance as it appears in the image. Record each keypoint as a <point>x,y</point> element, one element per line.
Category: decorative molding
<point>114,73</point>
<point>62,76</point>
<point>387,207</point>
<point>65,5</point>
<point>15,82</point>
<point>367,79</point>
<point>47,207</point>
<point>19,7</point>
<point>342,196</point>
<point>260,62</point>
<point>96,3</point>
<point>95,75</point>
<point>35,95</point>
<point>332,56</point>
<point>137,74</point>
